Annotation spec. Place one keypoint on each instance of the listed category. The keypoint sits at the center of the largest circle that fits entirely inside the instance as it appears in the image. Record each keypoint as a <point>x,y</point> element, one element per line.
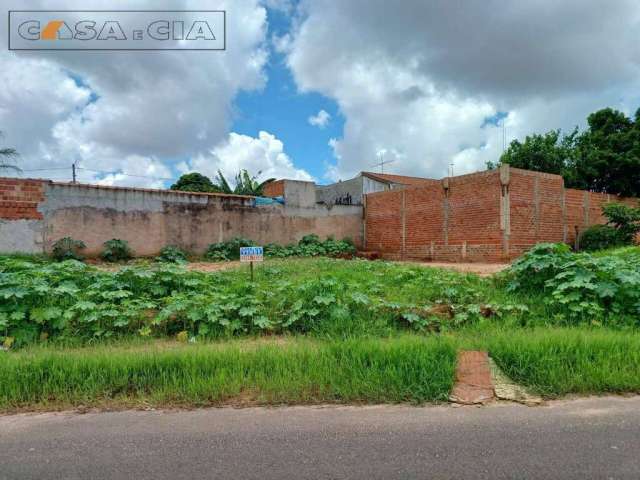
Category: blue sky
<point>282,110</point>
<point>398,80</point>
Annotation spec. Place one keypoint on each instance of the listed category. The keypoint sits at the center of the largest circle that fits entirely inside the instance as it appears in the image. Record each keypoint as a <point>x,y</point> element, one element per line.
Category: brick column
<point>505,210</point>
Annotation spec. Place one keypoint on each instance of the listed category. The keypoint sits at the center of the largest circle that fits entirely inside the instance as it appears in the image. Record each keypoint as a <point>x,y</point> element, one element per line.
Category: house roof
<point>400,179</point>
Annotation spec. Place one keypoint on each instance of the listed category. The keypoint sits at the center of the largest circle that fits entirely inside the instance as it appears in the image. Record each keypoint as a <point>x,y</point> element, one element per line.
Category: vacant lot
<point>311,330</point>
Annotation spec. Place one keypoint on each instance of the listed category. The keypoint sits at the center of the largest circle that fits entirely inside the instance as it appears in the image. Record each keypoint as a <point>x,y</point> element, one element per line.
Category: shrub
<point>625,219</point>
<point>579,287</point>
<point>172,254</point>
<point>339,248</point>
<point>73,302</point>
<point>230,250</point>
<point>308,246</point>
<point>116,250</point>
<point>311,239</point>
<point>68,249</point>
<point>536,266</point>
<point>279,251</point>
<point>600,237</point>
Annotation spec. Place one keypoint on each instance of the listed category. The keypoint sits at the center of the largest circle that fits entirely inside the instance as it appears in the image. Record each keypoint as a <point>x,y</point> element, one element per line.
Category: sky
<point>319,90</point>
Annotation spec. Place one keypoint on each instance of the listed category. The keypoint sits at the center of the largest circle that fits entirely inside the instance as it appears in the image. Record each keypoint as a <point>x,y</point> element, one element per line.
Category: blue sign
<point>251,254</point>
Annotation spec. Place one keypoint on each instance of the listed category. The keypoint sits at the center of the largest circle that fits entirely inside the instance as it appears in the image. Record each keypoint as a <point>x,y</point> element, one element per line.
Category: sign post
<point>251,254</point>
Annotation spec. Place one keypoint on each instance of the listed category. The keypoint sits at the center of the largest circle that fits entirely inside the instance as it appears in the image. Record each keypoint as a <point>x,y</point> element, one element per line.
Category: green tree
<point>7,157</point>
<point>195,182</point>
<point>549,152</point>
<point>245,184</point>
<point>608,154</point>
<point>625,219</point>
<point>603,158</point>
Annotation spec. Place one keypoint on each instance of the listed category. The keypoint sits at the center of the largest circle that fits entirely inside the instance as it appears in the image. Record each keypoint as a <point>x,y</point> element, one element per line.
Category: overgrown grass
<point>556,362</point>
<point>622,252</point>
<point>405,369</point>
<point>312,330</point>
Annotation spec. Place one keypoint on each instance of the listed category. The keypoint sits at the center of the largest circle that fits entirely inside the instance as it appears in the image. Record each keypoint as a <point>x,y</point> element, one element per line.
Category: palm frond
<point>223,185</point>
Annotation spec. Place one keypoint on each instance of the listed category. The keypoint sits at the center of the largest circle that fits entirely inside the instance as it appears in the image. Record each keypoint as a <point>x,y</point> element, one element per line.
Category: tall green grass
<point>557,362</point>
<point>406,369</point>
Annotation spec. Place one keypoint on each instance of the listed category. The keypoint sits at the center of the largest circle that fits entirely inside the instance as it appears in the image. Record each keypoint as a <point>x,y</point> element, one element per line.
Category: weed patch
<point>407,369</point>
<point>557,362</point>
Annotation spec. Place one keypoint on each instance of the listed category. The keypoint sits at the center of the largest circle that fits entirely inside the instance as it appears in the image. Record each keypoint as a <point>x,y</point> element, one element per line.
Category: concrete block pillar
<point>536,206</point>
<point>586,198</point>
<point>445,211</point>
<point>364,222</point>
<point>505,209</point>
<point>403,216</point>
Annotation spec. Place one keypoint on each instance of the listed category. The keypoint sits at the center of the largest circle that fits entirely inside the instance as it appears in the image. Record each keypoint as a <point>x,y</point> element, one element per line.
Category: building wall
<point>537,212</point>
<point>487,216</point>
<point>336,192</point>
<point>274,189</point>
<point>152,219</point>
<point>455,219</point>
<point>21,223</point>
<point>300,193</point>
<point>369,185</point>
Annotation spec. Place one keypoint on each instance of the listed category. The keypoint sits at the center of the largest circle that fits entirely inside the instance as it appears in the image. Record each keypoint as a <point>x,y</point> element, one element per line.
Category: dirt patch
<point>482,269</point>
<point>213,267</point>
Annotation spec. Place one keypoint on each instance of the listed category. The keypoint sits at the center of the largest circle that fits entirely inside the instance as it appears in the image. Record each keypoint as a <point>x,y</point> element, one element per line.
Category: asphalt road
<point>590,438</point>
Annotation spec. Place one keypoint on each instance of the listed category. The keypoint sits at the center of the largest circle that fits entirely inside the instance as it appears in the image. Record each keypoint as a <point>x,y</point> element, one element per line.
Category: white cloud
<point>406,80</point>
<point>263,154</point>
<point>153,172</point>
<point>281,44</point>
<point>320,120</point>
<point>158,106</point>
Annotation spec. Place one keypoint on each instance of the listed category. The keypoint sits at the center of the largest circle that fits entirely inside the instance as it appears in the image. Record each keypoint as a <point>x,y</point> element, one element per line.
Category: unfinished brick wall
<point>585,208</point>
<point>384,221</point>
<point>487,216</point>
<point>19,199</point>
<point>455,219</point>
<point>473,230</point>
<point>537,212</point>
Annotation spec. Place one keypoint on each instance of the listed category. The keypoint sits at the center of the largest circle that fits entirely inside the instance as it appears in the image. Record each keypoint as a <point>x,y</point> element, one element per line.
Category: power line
<point>123,173</point>
<point>45,169</point>
<point>75,168</point>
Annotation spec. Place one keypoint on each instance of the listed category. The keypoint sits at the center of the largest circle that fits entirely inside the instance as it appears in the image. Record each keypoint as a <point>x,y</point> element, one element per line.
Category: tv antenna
<point>382,162</point>
<point>504,135</point>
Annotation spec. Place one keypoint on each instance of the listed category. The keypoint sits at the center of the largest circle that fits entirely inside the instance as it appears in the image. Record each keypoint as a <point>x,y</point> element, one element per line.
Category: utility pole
<point>73,172</point>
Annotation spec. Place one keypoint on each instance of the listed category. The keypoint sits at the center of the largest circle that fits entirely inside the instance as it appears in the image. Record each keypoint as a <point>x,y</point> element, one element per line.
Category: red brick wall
<point>474,209</point>
<point>384,221</point>
<point>274,189</point>
<point>433,223</point>
<point>477,218</point>
<point>19,199</point>
<point>536,209</point>
<point>424,214</point>
<point>573,200</point>
<point>585,208</point>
